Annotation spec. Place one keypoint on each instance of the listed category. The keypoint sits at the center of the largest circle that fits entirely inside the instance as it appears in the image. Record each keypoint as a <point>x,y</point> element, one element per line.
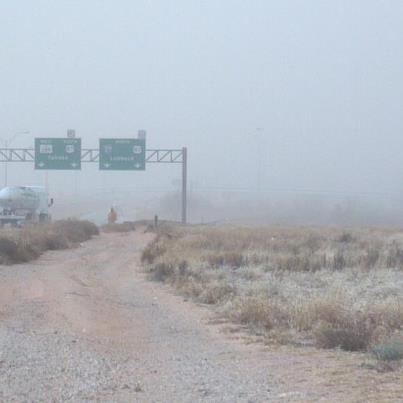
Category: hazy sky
<point>323,78</point>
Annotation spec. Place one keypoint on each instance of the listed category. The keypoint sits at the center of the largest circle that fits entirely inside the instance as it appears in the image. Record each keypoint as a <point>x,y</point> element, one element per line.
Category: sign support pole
<point>184,184</point>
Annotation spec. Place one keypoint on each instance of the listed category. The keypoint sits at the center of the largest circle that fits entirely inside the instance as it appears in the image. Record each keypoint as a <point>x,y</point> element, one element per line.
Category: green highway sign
<point>122,154</point>
<point>58,153</point>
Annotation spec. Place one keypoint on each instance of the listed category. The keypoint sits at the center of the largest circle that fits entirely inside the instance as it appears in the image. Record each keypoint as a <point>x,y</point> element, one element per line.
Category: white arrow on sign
<point>41,164</point>
<point>137,165</point>
<point>106,165</point>
<point>73,164</point>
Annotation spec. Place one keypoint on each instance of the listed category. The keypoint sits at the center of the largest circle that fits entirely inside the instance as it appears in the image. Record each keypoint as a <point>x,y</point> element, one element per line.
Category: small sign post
<point>122,154</point>
<point>58,153</point>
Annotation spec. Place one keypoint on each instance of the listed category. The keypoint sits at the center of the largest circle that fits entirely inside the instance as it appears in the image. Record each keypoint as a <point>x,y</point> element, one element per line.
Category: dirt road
<point>85,325</point>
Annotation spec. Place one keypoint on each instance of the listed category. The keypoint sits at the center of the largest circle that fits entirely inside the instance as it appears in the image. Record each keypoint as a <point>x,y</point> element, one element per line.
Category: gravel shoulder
<point>85,325</point>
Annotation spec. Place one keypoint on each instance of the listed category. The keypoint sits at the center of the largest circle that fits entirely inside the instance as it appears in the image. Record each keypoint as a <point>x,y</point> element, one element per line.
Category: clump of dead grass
<point>354,335</point>
<point>124,227</point>
<point>152,251</point>
<point>75,231</point>
<point>229,259</point>
<point>23,245</point>
<point>215,292</point>
<point>259,312</point>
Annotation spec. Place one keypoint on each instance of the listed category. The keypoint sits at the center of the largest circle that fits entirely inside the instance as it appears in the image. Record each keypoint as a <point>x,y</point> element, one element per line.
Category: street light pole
<point>5,167</point>
<point>6,143</point>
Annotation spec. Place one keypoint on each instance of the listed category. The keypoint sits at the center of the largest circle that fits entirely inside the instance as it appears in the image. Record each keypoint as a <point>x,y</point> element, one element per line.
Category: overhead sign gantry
<point>67,154</point>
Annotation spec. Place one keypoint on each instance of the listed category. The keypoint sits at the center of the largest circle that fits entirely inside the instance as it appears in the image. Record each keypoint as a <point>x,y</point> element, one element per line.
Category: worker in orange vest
<point>112,216</point>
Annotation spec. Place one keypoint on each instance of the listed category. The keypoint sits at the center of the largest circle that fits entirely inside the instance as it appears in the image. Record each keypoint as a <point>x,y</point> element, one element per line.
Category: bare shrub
<point>299,263</point>
<point>251,274</point>
<point>293,263</point>
<point>153,250</point>
<point>388,313</point>
<point>324,309</point>
<point>353,336</point>
<point>340,326</point>
<point>260,312</point>
<point>345,237</point>
<point>56,241</point>
<point>75,230</point>
<point>394,256</point>
<point>162,271</point>
<point>192,287</point>
<point>370,258</point>
<point>339,261</point>
<point>8,250</point>
<point>183,268</point>
<point>389,351</point>
<point>215,292</point>
<point>230,259</point>
<point>313,243</point>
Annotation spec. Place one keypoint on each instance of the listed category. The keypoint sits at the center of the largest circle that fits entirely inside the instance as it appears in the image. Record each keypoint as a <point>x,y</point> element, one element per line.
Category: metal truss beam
<point>17,155</point>
<point>164,156</point>
<point>161,156</point>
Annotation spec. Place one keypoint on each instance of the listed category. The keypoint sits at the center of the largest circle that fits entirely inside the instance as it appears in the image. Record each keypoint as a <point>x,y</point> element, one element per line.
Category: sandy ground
<point>86,325</point>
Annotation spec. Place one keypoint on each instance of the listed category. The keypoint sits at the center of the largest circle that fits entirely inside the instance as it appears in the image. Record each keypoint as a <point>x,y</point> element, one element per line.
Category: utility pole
<point>260,158</point>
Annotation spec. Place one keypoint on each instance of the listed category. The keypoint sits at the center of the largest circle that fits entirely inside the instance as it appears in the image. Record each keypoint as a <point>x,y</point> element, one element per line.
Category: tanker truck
<point>24,203</point>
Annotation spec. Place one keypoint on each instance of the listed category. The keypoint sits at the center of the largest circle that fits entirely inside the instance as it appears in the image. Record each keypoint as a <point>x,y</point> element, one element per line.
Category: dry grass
<point>331,287</point>
<point>23,245</point>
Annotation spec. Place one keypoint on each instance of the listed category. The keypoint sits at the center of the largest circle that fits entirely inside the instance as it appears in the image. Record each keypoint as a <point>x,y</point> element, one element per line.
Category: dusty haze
<point>294,107</point>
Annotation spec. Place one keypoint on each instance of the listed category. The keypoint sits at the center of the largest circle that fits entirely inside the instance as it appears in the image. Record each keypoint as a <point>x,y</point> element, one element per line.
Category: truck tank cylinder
<point>19,199</point>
